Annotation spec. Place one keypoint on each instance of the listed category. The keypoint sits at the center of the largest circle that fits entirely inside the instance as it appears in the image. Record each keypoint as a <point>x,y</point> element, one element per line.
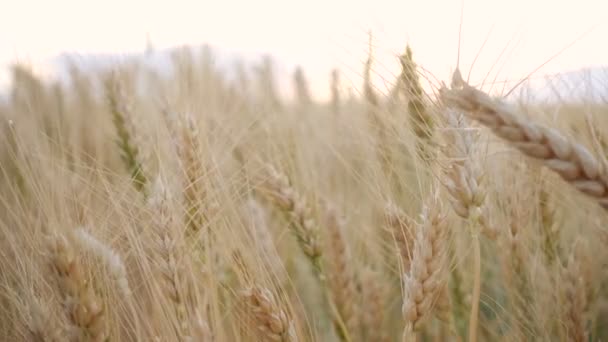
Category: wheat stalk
<point>130,153</point>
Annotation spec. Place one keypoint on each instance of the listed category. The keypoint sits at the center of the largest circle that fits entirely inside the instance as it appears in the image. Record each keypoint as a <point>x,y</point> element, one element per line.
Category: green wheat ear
<point>129,152</point>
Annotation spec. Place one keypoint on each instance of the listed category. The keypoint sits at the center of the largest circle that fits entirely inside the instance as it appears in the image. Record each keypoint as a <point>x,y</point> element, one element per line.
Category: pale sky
<point>319,34</point>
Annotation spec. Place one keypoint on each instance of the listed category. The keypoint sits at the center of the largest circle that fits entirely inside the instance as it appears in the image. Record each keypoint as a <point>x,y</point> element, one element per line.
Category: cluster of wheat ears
<point>141,205</point>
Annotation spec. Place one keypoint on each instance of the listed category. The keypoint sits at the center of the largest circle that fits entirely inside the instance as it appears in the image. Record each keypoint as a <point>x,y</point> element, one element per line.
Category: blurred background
<point>511,38</point>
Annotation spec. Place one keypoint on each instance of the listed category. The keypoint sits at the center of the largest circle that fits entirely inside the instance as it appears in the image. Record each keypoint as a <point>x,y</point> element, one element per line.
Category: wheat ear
<point>428,275</point>
<point>130,153</point>
<point>571,160</point>
<point>278,189</point>
<point>111,259</point>
<point>85,307</point>
<point>172,264</point>
<point>272,321</point>
<point>341,273</point>
<point>574,301</point>
<point>463,176</point>
<point>401,229</point>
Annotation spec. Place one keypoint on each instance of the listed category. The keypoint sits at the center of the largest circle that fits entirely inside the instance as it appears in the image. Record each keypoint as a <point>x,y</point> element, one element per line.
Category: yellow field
<point>194,207</point>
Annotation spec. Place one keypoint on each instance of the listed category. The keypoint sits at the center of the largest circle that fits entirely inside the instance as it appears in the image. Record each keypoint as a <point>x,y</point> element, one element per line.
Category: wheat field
<point>192,206</point>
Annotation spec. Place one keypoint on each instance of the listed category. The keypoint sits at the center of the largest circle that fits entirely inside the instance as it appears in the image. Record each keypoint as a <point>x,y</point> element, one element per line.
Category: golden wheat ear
<point>571,160</point>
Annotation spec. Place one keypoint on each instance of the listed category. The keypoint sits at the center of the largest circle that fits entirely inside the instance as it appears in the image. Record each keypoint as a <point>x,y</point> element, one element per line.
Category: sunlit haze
<point>320,35</point>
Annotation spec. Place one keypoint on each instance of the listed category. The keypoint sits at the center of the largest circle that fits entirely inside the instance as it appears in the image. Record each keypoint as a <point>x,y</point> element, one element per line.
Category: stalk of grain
<point>375,300</point>
<point>277,188</point>
<point>110,258</point>
<point>189,150</point>
<point>401,229</point>
<point>85,307</point>
<point>342,273</point>
<point>173,266</point>
<point>256,217</point>
<point>574,301</point>
<point>379,126</point>
<point>426,280</point>
<point>550,234</point>
<point>272,322</point>
<point>464,179</point>
<point>571,160</point>
<point>420,116</point>
<point>43,325</point>
<point>517,280</point>
<point>120,117</point>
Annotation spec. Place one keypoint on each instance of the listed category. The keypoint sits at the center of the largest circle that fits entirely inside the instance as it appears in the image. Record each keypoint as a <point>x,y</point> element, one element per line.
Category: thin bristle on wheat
<point>571,160</point>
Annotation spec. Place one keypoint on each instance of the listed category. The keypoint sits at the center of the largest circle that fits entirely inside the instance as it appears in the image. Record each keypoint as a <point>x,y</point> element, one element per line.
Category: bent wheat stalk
<point>571,160</point>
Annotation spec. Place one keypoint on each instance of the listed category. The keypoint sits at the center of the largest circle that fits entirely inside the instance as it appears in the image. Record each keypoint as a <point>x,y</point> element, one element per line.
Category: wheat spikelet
<point>120,117</point>
<point>341,272</point>
<point>421,119</point>
<point>189,151</point>
<point>401,228</point>
<point>112,260</point>
<point>428,274</point>
<point>171,263</point>
<point>374,303</point>
<point>278,189</point>
<point>43,325</point>
<point>257,221</point>
<point>549,230</point>
<point>574,301</point>
<point>571,160</point>
<point>271,320</point>
<point>463,177</point>
<point>85,307</point>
